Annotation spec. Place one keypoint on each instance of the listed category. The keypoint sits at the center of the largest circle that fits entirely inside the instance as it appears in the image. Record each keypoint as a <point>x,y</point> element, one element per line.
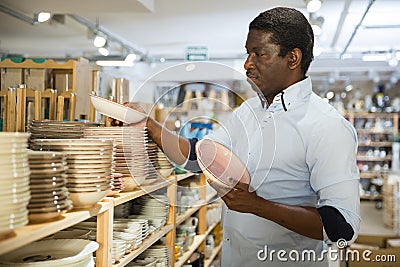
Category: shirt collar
<point>291,96</point>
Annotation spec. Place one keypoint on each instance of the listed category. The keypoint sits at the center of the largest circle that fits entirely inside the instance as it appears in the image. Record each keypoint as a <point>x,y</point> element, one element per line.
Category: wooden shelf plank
<point>366,158</point>
<point>189,212</point>
<point>211,227</point>
<point>369,175</point>
<point>184,176</point>
<point>373,131</point>
<point>33,232</point>
<point>215,252</point>
<point>198,239</point>
<point>141,191</point>
<point>48,64</point>
<point>366,197</point>
<point>376,144</point>
<point>145,245</point>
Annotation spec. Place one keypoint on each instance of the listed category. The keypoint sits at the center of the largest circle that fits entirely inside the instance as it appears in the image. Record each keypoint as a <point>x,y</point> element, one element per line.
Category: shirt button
<point>227,239</point>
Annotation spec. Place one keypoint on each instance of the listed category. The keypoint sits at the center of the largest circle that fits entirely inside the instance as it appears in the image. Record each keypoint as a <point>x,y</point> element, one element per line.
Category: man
<point>306,191</point>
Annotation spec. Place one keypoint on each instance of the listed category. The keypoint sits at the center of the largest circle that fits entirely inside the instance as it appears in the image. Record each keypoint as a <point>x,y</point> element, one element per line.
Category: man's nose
<point>249,63</point>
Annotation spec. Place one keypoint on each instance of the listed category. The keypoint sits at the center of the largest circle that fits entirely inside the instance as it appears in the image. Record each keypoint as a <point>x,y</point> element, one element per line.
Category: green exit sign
<point>197,53</point>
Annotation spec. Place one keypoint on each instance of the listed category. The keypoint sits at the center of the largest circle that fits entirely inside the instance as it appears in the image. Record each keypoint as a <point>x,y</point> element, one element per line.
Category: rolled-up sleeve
<point>331,157</point>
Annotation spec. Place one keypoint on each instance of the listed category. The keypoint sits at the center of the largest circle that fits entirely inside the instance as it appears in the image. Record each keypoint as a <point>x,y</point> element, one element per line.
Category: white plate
<point>117,111</point>
<point>61,252</point>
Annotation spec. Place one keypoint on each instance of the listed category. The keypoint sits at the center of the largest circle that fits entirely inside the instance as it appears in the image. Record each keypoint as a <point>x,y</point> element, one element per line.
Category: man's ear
<point>294,58</point>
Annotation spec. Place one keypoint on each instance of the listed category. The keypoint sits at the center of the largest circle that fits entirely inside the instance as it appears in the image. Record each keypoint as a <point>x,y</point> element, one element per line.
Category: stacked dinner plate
<point>152,151</point>
<point>50,129</point>
<point>48,181</point>
<point>131,159</point>
<point>89,167</point>
<point>159,252</point>
<point>52,252</point>
<point>155,210</point>
<point>14,182</point>
<point>117,185</point>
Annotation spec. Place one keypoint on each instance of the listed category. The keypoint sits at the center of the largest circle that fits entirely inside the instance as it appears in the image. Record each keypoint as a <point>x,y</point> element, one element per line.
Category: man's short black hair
<point>290,29</point>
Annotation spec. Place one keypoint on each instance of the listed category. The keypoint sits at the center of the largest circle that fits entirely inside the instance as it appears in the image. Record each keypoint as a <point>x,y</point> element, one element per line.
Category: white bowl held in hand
<point>116,111</point>
<point>220,165</point>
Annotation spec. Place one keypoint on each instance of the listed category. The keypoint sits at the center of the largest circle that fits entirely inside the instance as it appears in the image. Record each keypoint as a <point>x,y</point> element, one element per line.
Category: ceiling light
<point>104,51</point>
<point>43,16</point>
<point>392,59</point>
<point>99,41</point>
<point>313,5</point>
<point>372,57</point>
<point>316,24</point>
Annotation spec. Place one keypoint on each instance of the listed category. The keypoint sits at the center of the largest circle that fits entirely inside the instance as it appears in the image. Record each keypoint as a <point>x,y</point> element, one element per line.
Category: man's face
<point>264,67</point>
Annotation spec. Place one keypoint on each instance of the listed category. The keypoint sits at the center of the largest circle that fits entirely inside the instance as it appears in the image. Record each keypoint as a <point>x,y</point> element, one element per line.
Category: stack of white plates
<point>88,225</point>
<point>152,152</point>
<point>48,181</point>
<point>131,158</point>
<point>118,249</point>
<point>89,167</point>
<point>52,252</point>
<point>159,252</point>
<point>155,210</point>
<point>49,129</point>
<point>14,182</point>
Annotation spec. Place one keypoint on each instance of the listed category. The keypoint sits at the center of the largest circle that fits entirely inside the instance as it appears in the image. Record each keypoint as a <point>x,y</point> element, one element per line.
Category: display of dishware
<point>130,159</point>
<point>89,180</point>
<point>48,174</point>
<point>14,182</point>
<point>52,252</point>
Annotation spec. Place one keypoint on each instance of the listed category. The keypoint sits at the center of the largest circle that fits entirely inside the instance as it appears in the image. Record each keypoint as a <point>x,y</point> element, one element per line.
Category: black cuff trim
<point>192,153</point>
<point>335,224</point>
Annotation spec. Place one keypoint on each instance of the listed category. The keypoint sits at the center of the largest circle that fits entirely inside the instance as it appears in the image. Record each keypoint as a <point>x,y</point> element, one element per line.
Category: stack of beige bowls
<point>14,182</point>
<point>131,159</point>
<point>48,181</point>
<point>89,167</point>
<point>50,129</point>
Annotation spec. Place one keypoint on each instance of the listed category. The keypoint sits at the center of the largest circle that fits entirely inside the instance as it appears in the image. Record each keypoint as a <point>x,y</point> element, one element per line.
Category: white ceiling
<point>164,28</point>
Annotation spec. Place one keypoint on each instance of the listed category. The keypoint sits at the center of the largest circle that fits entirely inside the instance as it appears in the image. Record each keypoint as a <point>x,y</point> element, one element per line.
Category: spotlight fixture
<point>313,5</point>
<point>99,41</point>
<point>41,17</point>
<point>316,24</point>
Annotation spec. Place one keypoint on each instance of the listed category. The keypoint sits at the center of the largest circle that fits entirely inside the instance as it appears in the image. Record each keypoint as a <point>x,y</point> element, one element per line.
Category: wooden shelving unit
<point>104,211</point>
<point>32,232</point>
<point>374,131</point>
<point>198,240</point>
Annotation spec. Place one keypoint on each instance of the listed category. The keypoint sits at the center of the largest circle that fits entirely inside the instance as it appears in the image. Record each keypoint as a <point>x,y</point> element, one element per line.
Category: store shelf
<point>211,227</point>
<point>145,245</point>
<point>189,212</point>
<point>215,252</point>
<point>366,158</point>
<point>373,131</point>
<point>376,144</point>
<point>29,233</point>
<point>143,190</point>
<point>198,239</point>
<point>369,175</point>
<point>366,197</point>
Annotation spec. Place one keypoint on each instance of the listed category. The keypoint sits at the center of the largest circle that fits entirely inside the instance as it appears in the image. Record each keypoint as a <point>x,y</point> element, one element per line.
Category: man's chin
<point>254,86</point>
